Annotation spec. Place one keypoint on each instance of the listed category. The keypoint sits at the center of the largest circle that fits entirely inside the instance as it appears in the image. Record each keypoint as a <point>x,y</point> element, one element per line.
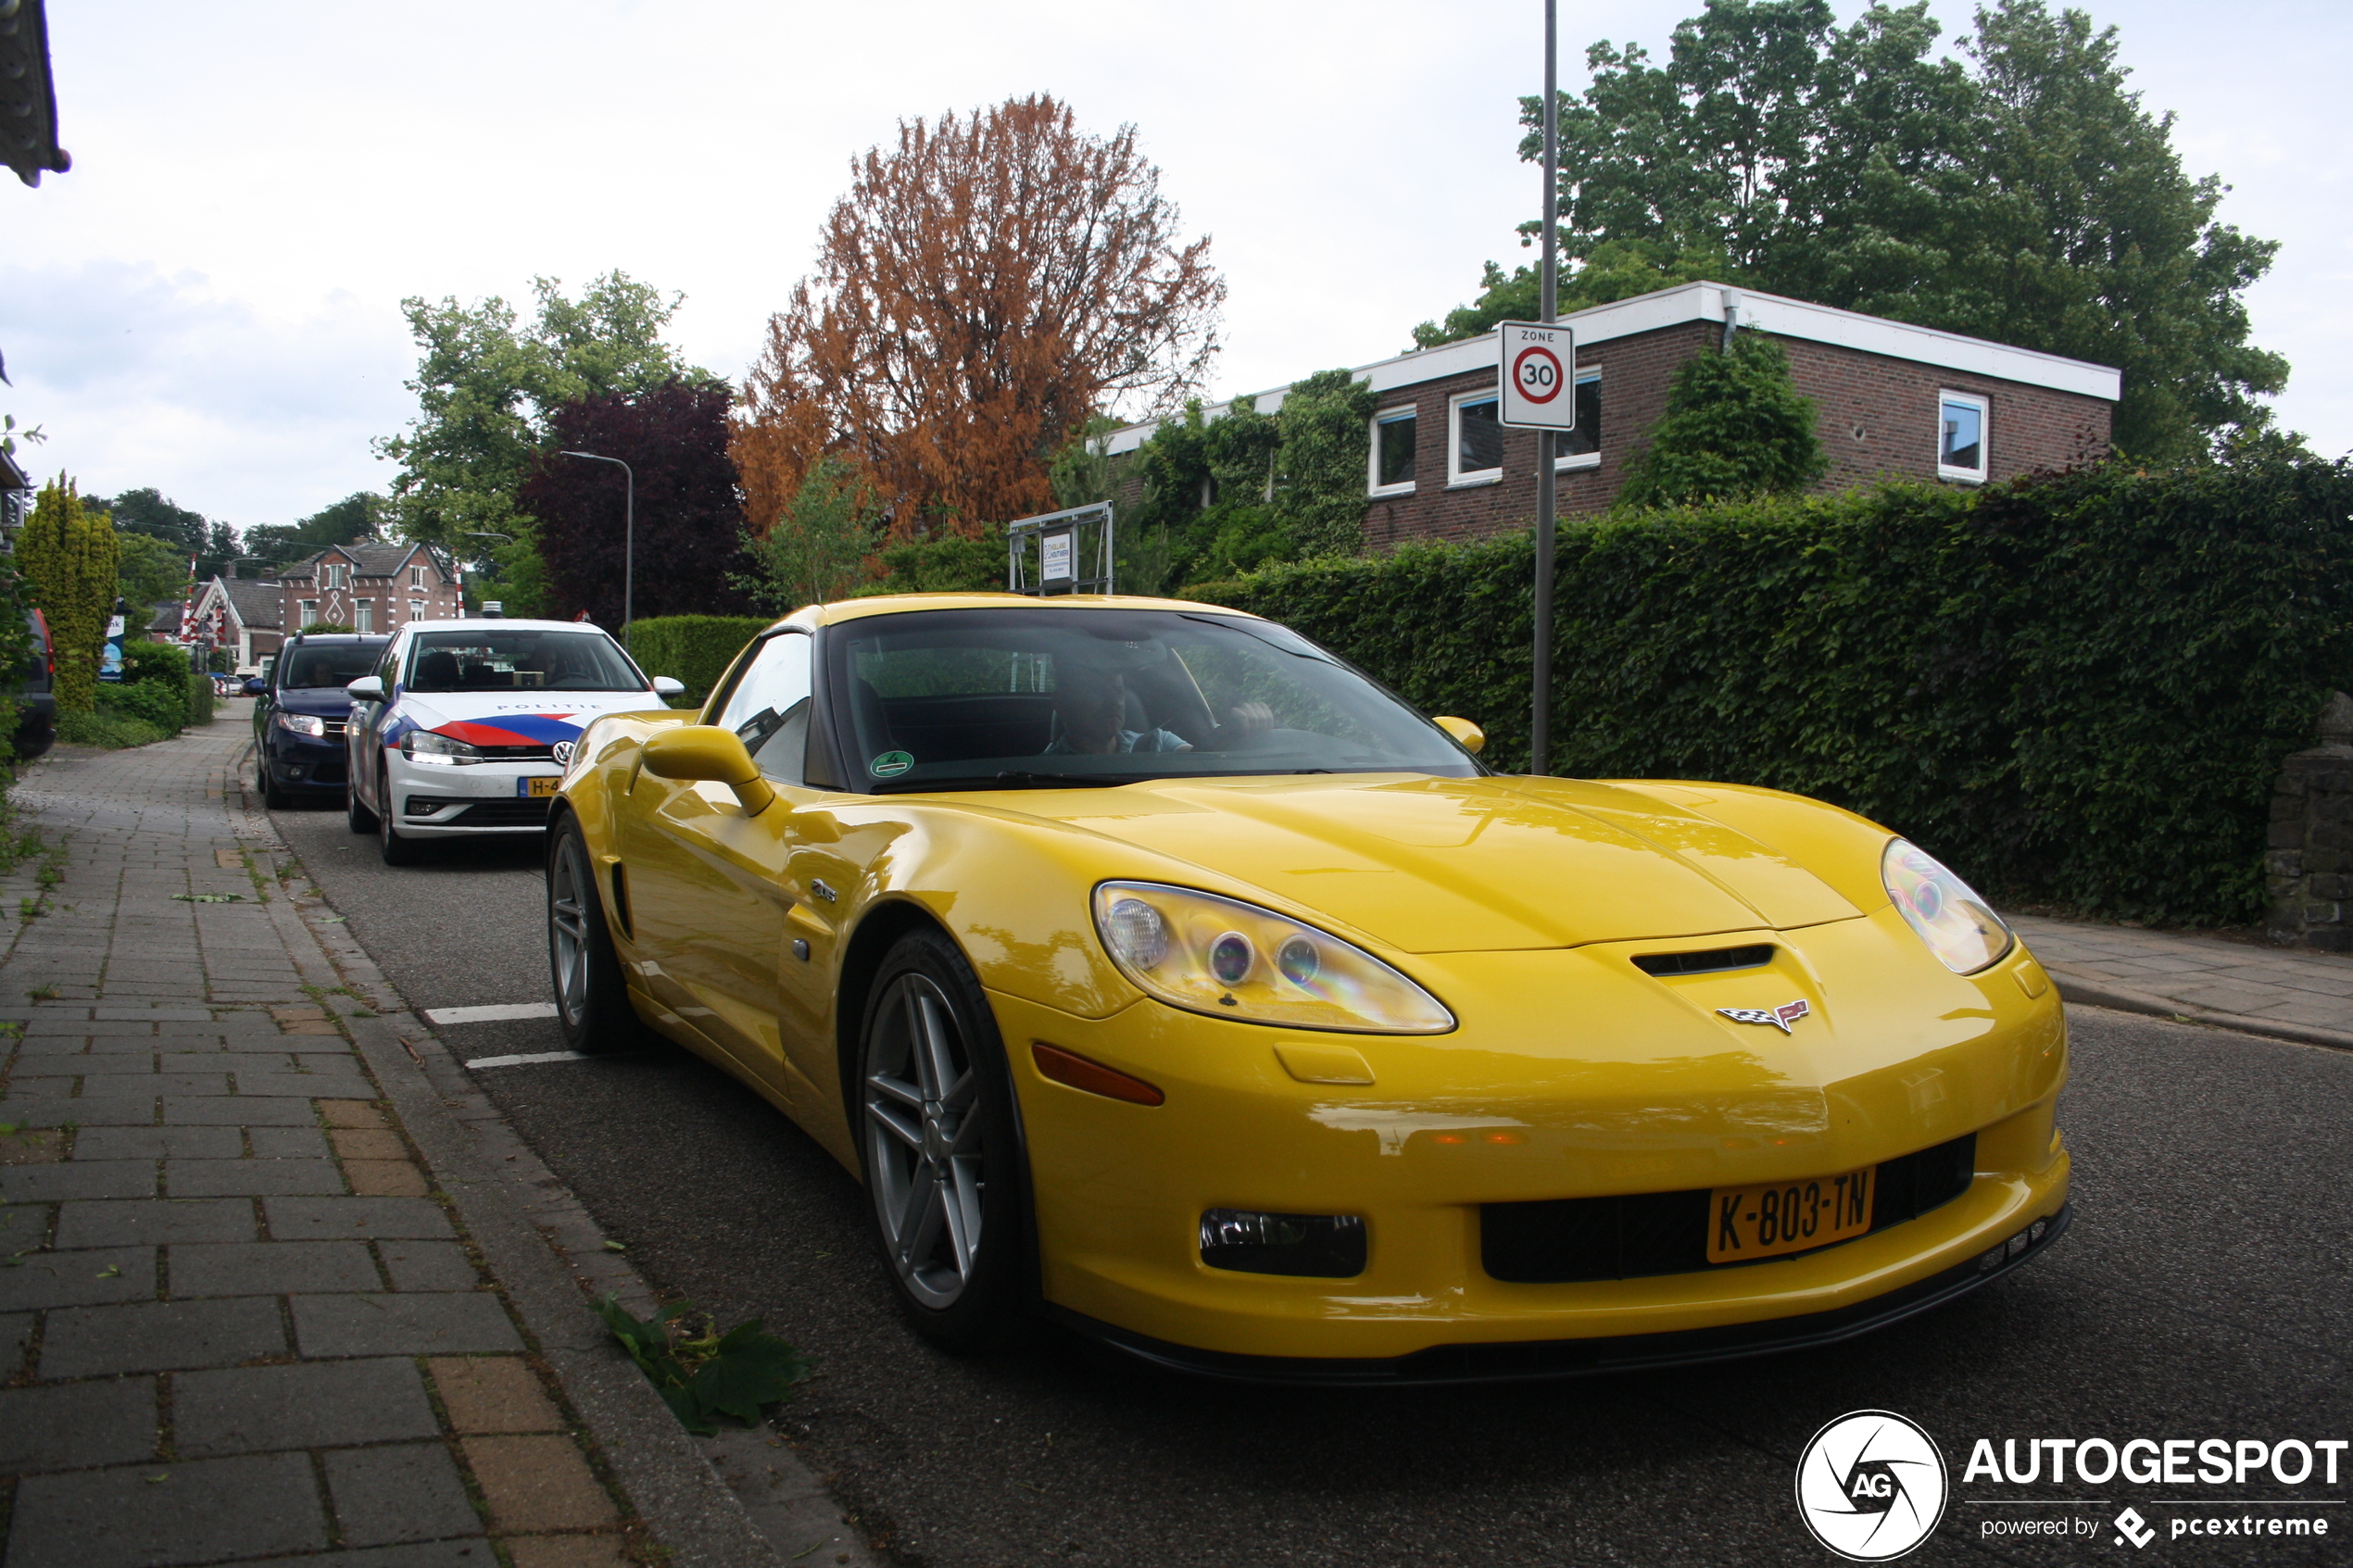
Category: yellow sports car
<point>1160,972</point>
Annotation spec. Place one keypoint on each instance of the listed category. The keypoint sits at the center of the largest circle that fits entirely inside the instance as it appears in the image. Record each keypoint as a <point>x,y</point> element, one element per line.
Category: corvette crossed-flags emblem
<point>1780,1018</point>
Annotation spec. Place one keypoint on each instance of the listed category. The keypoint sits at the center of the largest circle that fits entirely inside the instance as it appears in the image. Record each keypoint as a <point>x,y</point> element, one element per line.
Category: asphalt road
<point>2202,1293</point>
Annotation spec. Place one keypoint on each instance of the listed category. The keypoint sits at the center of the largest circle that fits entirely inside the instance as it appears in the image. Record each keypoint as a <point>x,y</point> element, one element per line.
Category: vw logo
<point>562,750</point>
<point>1871,1486</point>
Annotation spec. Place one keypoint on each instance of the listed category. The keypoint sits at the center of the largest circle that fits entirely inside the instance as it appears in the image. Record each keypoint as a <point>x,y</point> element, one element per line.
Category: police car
<point>464,727</point>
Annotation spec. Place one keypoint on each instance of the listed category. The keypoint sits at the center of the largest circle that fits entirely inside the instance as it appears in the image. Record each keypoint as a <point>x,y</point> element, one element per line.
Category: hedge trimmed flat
<point>1164,975</point>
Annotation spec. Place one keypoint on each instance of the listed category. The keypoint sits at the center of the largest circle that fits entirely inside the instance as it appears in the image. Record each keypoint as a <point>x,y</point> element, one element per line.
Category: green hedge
<point>153,703</point>
<point>2075,688</point>
<point>695,648</point>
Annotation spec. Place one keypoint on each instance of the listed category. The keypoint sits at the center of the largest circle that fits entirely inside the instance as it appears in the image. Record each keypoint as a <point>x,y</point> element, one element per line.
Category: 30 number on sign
<point>1538,372</point>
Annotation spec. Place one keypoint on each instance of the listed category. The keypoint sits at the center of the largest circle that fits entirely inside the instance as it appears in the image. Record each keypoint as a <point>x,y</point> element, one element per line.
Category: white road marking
<point>502,1014</point>
<point>530,1058</point>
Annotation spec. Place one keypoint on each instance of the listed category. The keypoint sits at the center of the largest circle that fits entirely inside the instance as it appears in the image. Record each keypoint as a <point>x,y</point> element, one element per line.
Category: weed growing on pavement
<point>43,994</point>
<point>706,1373</point>
<point>28,907</point>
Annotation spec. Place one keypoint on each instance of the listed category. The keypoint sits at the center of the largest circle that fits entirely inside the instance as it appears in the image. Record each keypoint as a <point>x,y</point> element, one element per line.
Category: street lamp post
<point>629,542</point>
<point>1540,727</point>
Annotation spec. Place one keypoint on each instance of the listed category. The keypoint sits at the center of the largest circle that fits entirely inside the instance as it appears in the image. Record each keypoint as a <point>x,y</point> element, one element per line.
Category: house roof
<point>368,561</point>
<point>1707,302</point>
<point>166,618</point>
<point>259,602</point>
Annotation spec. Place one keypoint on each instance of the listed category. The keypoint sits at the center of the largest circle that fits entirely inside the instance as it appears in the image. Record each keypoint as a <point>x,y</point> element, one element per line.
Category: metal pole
<point>1540,728</point>
<point>629,537</point>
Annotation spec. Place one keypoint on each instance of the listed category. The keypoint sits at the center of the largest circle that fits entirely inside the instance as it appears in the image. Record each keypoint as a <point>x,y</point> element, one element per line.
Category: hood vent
<point>1710,960</point>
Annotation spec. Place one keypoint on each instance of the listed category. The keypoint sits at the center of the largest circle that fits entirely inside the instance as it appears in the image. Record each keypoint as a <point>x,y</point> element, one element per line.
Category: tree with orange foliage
<point>983,289</point>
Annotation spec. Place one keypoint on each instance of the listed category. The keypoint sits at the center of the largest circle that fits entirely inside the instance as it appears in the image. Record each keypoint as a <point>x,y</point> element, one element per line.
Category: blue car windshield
<point>495,659</point>
<point>1022,697</point>
<point>314,667</point>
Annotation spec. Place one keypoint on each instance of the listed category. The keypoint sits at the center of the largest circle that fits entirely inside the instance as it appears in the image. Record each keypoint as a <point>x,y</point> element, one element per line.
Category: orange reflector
<point>1069,1067</point>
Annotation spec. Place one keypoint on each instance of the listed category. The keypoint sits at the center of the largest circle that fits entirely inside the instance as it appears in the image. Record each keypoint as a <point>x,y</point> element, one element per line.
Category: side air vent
<point>1711,961</point>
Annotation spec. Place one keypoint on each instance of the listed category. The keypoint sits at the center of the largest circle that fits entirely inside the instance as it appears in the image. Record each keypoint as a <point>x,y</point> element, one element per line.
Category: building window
<point>1393,458</point>
<point>1581,448</point>
<point>309,616</point>
<point>416,610</point>
<point>1961,437</point>
<point>1475,441</point>
<point>364,617</point>
<point>417,579</point>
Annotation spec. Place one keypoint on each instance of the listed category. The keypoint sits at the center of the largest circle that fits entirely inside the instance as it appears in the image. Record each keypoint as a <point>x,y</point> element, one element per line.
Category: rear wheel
<point>943,1158</point>
<point>592,995</point>
<point>397,850</point>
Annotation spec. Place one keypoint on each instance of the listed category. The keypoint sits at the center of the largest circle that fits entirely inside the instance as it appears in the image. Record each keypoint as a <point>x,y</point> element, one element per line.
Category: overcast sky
<point>209,302</point>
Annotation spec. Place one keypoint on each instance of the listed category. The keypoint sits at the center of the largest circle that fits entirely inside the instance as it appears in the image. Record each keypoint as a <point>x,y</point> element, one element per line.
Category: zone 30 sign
<point>1538,370</point>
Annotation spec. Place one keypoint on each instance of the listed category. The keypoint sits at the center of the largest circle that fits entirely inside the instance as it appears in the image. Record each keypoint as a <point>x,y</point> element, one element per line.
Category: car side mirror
<point>255,687</point>
<point>668,686</point>
<point>368,688</point>
<point>706,752</point>
<point>1468,735</point>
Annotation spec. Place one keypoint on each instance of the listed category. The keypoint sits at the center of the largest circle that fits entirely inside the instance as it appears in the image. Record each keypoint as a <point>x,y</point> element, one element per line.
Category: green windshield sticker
<point>890,764</point>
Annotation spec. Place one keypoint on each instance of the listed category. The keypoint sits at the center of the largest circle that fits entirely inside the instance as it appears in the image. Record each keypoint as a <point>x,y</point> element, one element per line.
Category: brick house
<point>1894,401</point>
<point>372,588</point>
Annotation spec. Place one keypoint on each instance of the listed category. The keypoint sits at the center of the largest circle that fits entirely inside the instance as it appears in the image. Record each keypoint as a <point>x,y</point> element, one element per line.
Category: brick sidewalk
<point>240,1315</point>
<point>2286,993</point>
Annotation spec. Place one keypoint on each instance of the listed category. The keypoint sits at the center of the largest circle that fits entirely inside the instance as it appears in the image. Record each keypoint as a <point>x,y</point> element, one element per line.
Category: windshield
<point>495,660</point>
<point>310,667</point>
<point>998,698</point>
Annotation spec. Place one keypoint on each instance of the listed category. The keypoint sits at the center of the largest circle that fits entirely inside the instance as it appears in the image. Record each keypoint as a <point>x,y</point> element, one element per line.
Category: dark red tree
<point>689,518</point>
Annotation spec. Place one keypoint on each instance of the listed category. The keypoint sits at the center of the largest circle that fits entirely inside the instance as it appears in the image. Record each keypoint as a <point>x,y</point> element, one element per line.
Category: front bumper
<point>1572,1075</point>
<point>481,798</point>
<point>302,764</point>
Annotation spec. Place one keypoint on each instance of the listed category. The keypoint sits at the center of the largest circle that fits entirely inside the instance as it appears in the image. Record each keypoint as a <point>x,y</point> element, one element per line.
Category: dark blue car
<point>298,721</point>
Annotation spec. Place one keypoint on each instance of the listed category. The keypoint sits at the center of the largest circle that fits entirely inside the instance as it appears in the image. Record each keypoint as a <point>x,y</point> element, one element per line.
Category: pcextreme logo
<point>1871,1486</point>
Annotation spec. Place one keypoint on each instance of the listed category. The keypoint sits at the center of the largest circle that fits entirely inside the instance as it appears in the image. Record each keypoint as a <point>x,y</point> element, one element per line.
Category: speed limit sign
<point>1537,371</point>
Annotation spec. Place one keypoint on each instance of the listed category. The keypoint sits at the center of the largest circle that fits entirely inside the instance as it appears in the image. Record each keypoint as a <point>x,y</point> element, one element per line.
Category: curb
<point>725,1502</point>
<point>2084,991</point>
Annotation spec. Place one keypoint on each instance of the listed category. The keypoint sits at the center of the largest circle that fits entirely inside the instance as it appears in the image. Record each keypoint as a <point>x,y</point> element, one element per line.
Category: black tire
<point>397,850</point>
<point>592,995</point>
<point>355,811</point>
<point>940,1148</point>
<point>272,797</point>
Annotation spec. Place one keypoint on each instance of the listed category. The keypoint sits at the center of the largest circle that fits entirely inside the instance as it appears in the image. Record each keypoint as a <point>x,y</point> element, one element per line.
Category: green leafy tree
<point>68,553</point>
<point>353,519</point>
<point>1735,426</point>
<point>815,551</point>
<point>1326,431</point>
<point>2025,196</point>
<point>147,571</point>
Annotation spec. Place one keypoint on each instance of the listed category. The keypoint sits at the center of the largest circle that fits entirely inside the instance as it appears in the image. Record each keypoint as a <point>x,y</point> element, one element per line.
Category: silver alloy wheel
<point>568,933</point>
<point>923,1141</point>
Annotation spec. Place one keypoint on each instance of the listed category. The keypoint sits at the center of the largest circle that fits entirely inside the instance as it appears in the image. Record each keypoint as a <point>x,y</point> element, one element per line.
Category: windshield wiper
<point>1012,781</point>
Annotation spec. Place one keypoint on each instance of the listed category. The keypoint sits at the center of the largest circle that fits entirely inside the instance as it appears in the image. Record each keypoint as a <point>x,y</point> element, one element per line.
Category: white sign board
<point>1055,567</point>
<point>1538,375</point>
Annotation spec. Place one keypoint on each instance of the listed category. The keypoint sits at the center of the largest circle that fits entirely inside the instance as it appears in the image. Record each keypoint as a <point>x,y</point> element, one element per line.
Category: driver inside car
<point>1090,710</point>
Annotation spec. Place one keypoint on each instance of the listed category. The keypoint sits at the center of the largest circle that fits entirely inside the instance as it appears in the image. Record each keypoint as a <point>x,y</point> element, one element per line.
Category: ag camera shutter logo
<point>1871,1486</point>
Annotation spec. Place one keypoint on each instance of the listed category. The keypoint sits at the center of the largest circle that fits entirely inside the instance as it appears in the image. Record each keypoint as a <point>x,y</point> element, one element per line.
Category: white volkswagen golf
<point>465,726</point>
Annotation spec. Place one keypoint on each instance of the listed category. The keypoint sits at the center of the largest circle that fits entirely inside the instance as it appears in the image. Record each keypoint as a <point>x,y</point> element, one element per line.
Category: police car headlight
<point>424,745</point>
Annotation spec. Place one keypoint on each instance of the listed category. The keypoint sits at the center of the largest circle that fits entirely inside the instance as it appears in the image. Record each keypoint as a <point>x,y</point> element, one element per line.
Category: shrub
<point>2076,687</point>
<point>68,554</point>
<point>1735,426</point>
<point>948,564</point>
<point>201,699</point>
<point>695,648</point>
<point>113,731</point>
<point>153,662</point>
<point>160,704</point>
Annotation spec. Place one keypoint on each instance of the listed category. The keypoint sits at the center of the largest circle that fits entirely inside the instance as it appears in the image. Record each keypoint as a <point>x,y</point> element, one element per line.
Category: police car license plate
<point>535,788</point>
<point>1765,1222</point>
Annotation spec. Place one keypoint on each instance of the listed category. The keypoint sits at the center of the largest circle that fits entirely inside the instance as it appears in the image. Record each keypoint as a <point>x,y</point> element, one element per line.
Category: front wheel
<point>942,1153</point>
<point>592,995</point>
<point>397,850</point>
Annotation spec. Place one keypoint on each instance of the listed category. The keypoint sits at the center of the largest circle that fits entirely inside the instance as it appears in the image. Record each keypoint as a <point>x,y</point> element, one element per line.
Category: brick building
<point>246,615</point>
<point>372,588</point>
<point>1892,400</point>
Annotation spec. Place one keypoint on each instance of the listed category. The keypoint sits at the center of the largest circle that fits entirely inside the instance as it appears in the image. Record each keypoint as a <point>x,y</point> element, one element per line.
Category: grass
<point>110,731</point>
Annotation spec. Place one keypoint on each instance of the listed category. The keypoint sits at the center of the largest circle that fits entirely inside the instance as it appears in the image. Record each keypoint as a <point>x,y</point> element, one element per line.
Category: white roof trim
<point>1705,302</point>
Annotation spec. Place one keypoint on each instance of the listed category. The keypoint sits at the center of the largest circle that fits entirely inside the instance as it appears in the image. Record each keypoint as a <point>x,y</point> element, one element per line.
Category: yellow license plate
<point>1765,1222</point>
<point>535,788</point>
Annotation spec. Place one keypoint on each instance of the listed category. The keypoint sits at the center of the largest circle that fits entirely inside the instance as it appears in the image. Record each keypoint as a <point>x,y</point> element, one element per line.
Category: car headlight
<point>424,745</point>
<point>1959,927</point>
<point>301,723</point>
<point>1207,954</point>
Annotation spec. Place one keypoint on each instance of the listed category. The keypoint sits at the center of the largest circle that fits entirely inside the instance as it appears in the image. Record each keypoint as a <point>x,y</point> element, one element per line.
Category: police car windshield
<point>520,660</point>
<point>330,664</point>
